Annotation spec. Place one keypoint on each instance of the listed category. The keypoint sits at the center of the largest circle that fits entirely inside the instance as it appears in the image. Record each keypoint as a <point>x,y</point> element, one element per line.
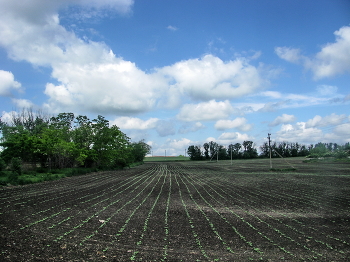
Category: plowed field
<point>189,211</point>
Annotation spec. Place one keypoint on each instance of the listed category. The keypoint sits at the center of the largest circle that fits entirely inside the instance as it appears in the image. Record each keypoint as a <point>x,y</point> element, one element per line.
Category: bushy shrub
<point>341,154</point>
<point>16,170</point>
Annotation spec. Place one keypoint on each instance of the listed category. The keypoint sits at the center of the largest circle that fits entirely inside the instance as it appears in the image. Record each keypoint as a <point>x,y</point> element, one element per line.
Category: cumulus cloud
<point>112,86</point>
<point>284,119</point>
<point>8,83</point>
<point>135,123</point>
<point>89,76</point>
<point>205,111</point>
<point>343,130</point>
<point>211,78</point>
<point>299,133</point>
<point>331,128</point>
<point>239,123</point>
<point>333,59</point>
<point>331,120</point>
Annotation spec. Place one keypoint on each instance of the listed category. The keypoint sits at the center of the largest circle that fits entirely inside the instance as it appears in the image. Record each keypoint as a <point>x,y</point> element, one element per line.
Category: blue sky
<point>178,73</point>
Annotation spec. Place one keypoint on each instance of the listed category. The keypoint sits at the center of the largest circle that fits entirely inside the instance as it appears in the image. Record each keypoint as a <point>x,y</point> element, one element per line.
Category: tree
<point>222,152</point>
<point>140,150</point>
<point>213,148</point>
<point>206,150</point>
<point>249,150</point>
<point>194,152</point>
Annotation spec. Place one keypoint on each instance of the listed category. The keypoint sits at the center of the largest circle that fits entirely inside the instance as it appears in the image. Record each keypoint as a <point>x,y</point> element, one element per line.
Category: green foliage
<point>66,141</point>
<point>2,165</point>
<point>16,170</point>
<point>194,152</point>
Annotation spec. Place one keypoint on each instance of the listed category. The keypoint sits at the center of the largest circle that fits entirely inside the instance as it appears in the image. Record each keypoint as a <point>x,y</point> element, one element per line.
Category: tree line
<point>247,150</point>
<point>67,140</point>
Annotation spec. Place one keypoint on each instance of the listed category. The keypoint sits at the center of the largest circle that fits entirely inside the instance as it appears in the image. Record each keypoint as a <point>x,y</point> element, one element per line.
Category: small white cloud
<point>135,123</point>
<point>8,83</point>
<point>289,54</point>
<point>172,28</point>
<point>239,123</point>
<point>23,103</point>
<point>272,94</point>
<point>205,111</point>
<point>326,90</point>
<point>232,137</point>
<point>284,119</point>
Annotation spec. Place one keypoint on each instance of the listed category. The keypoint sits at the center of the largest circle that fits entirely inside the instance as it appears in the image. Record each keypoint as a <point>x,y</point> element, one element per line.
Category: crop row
<point>181,211</point>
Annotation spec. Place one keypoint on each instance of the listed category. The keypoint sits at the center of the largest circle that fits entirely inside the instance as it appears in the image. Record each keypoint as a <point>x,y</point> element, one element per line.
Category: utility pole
<point>231,154</point>
<point>268,137</point>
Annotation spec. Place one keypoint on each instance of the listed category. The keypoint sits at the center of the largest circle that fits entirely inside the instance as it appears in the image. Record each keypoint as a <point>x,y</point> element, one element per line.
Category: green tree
<point>195,152</point>
<point>140,150</point>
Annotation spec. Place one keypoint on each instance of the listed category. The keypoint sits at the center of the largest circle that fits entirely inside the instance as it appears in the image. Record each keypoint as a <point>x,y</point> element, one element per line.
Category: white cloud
<point>114,86</point>
<point>211,78</point>
<point>88,76</point>
<point>327,90</point>
<point>135,123</point>
<point>272,94</point>
<point>7,116</point>
<point>172,28</point>
<point>289,54</point>
<point>177,144</point>
<point>283,120</point>
<point>233,137</point>
<point>333,59</point>
<point>8,83</point>
<point>205,111</point>
<point>239,123</point>
<point>331,128</point>
<point>23,103</point>
<point>331,120</point>
<point>299,133</point>
<point>343,130</point>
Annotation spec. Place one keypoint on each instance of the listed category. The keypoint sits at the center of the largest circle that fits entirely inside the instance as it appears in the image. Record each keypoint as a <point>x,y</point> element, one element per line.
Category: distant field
<point>165,158</point>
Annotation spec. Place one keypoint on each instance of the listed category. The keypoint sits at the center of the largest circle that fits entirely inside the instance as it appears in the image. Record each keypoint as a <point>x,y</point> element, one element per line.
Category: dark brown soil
<point>183,211</point>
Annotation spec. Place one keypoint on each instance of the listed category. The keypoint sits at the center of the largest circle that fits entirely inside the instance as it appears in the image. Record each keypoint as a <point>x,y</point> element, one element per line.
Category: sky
<point>183,72</point>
